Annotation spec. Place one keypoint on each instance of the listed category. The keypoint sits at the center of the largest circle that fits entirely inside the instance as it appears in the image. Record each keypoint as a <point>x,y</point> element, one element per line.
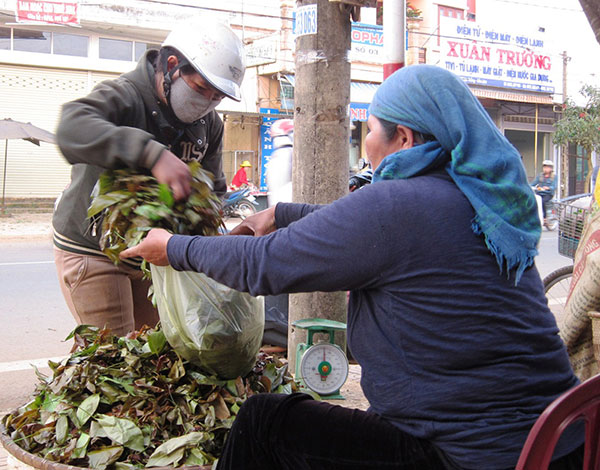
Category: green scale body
<point>321,367</point>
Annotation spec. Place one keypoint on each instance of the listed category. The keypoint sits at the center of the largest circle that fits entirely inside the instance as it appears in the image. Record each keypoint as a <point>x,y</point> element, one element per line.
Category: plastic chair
<point>581,402</point>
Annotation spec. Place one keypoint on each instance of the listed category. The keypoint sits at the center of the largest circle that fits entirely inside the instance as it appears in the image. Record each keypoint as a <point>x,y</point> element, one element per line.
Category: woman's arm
<point>338,247</point>
<point>269,220</point>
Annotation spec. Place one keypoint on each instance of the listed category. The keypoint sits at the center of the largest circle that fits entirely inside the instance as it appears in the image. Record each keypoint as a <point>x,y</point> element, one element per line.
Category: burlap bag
<point>583,300</point>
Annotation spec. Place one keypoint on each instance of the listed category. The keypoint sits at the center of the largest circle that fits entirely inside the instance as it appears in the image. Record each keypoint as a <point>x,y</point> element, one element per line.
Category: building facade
<point>47,60</point>
<point>517,74</point>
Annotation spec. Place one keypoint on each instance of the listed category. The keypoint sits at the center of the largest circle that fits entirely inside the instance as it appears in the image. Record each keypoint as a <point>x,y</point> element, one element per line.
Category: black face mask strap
<point>168,77</point>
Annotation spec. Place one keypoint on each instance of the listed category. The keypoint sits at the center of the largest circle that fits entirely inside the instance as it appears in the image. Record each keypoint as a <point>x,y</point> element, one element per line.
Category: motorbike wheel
<point>551,224</point>
<point>245,209</point>
<point>556,287</point>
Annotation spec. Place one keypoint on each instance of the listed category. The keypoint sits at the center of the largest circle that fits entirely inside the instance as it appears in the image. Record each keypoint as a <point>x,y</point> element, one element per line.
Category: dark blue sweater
<point>450,349</point>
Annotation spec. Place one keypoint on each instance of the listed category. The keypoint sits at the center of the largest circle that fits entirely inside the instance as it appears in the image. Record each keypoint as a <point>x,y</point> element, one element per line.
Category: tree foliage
<point>581,124</point>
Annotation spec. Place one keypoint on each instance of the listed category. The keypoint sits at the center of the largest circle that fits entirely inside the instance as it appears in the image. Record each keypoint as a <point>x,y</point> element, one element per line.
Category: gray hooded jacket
<point>120,124</point>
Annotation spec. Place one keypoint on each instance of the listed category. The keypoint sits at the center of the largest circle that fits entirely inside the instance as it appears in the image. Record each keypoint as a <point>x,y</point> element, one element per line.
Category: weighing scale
<point>321,367</point>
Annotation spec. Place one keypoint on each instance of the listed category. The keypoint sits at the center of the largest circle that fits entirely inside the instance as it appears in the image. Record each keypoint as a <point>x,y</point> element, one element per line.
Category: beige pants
<point>101,294</point>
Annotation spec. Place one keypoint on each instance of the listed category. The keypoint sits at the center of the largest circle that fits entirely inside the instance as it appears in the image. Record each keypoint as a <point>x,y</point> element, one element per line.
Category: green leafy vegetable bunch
<point>131,402</point>
<point>130,204</point>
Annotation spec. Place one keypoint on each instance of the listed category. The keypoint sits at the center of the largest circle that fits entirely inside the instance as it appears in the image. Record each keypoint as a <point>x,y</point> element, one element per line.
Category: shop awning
<point>512,95</point>
<point>361,94</point>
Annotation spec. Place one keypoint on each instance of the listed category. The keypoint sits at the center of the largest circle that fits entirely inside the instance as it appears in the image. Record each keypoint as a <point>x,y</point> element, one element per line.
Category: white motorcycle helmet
<point>215,52</point>
<point>282,133</point>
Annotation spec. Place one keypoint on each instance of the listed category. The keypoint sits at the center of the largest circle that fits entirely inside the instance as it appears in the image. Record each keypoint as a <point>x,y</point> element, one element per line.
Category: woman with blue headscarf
<point>447,315</point>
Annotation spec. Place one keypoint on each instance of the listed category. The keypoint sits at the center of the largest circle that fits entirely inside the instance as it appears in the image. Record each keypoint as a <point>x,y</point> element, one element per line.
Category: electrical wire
<point>199,7</point>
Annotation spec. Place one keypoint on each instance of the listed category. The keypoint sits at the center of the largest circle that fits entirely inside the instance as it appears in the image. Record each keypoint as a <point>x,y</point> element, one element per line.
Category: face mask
<point>187,104</point>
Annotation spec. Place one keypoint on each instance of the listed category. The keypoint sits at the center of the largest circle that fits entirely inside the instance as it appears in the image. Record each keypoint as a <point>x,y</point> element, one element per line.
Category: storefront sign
<point>266,144</point>
<point>262,51</point>
<point>497,56</point>
<point>359,112</point>
<point>366,39</point>
<point>366,43</point>
<point>47,12</point>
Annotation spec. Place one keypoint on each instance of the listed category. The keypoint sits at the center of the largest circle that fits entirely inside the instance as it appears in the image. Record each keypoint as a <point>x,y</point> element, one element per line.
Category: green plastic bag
<point>209,324</point>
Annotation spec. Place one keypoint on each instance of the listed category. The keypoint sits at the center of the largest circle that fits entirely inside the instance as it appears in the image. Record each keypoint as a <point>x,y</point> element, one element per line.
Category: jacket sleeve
<point>316,253</point>
<point>288,212</point>
<point>98,129</point>
<point>213,158</point>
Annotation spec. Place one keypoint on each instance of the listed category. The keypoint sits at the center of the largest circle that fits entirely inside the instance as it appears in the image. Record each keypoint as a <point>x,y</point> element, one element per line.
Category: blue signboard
<point>366,43</point>
<point>497,56</point>
<point>266,144</point>
<point>359,112</point>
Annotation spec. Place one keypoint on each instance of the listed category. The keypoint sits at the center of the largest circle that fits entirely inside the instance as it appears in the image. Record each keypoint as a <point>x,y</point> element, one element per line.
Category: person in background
<point>241,177</point>
<point>544,185</point>
<point>447,315</point>
<point>153,119</point>
<point>279,184</point>
<point>279,168</point>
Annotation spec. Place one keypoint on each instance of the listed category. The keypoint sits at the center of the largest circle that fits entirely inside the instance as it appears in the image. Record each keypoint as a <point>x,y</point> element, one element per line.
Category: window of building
<point>451,12</point>
<point>141,47</point>
<point>5,39</point>
<point>578,169</point>
<point>32,41</point>
<point>287,95</point>
<point>70,44</point>
<point>77,45</point>
<point>116,49</point>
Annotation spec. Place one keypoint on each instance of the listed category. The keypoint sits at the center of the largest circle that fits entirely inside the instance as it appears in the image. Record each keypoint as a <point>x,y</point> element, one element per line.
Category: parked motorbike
<point>358,180</point>
<point>239,203</point>
<point>550,221</point>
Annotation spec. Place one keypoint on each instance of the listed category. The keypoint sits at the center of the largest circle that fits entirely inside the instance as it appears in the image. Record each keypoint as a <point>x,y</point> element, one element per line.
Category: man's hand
<point>153,248</point>
<point>175,173</point>
<point>258,224</point>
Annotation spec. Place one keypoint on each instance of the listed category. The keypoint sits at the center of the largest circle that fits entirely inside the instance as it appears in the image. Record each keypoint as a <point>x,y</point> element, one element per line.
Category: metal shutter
<point>35,95</point>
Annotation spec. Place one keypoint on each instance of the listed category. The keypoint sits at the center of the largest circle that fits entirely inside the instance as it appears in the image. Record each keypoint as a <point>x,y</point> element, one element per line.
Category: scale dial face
<point>324,368</point>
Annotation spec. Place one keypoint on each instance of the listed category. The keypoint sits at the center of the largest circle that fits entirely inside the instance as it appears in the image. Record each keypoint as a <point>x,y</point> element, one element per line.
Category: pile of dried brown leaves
<point>132,402</point>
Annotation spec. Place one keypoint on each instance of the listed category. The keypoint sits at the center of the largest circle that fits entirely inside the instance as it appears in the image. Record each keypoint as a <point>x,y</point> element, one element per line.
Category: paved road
<point>35,319</point>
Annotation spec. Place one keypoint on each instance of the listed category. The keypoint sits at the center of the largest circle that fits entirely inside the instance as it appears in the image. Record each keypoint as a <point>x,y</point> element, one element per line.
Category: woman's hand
<point>258,224</point>
<point>153,248</point>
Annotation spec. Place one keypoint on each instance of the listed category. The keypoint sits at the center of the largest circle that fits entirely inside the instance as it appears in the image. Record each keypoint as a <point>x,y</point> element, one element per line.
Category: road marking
<point>18,263</point>
<point>28,364</point>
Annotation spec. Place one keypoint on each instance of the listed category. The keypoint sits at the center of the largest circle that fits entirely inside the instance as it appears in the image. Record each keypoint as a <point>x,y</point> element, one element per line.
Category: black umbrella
<point>10,129</point>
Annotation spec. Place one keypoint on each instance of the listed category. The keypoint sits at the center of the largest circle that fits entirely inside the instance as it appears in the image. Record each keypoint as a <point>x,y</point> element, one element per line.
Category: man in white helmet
<point>544,185</point>
<point>153,119</point>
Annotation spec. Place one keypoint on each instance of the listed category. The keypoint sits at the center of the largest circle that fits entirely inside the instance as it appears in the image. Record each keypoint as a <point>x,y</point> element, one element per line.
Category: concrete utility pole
<point>321,135</point>
<point>394,35</point>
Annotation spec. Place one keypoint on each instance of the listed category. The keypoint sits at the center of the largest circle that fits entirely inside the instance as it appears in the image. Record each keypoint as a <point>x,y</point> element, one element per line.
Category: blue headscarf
<point>482,163</point>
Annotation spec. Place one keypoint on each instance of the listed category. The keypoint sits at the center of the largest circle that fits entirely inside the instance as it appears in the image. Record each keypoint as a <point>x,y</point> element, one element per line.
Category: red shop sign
<point>47,12</point>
